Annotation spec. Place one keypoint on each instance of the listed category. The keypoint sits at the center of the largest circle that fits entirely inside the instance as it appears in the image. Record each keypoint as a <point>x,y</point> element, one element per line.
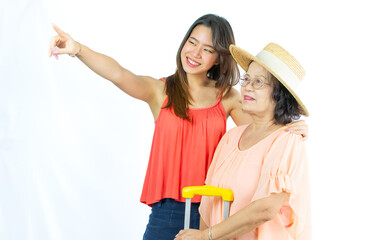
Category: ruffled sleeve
<point>285,169</point>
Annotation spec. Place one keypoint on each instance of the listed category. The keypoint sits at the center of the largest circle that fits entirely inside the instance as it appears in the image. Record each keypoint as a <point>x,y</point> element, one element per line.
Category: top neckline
<point>194,109</point>
<point>218,100</point>
<point>203,108</point>
<point>259,142</point>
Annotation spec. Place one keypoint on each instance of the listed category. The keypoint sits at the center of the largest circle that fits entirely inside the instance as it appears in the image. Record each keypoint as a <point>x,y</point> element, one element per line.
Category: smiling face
<point>258,101</point>
<point>198,54</point>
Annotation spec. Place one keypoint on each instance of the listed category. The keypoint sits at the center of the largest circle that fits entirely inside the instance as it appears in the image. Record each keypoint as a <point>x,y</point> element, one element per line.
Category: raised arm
<point>144,88</point>
<point>245,220</point>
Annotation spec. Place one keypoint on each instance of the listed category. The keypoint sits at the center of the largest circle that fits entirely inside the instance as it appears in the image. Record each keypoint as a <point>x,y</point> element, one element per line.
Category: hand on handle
<point>63,43</point>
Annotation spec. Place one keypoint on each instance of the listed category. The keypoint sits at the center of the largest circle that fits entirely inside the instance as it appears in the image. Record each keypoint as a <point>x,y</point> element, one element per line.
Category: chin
<point>246,109</point>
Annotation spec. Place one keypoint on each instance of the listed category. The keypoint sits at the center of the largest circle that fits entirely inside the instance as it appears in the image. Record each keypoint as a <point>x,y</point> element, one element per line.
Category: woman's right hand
<point>144,88</point>
<point>63,43</point>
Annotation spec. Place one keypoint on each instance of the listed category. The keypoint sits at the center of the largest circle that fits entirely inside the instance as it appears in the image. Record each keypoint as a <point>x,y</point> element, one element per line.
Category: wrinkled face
<point>257,101</point>
<point>198,54</point>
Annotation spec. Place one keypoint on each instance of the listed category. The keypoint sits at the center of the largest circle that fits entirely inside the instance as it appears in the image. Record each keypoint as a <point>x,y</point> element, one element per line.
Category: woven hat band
<point>279,67</point>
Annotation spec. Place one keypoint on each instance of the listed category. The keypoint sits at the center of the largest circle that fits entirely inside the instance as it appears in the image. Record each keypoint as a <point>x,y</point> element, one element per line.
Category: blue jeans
<point>167,219</point>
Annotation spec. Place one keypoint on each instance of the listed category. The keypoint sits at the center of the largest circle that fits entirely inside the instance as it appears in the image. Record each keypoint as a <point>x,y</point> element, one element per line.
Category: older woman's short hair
<point>287,108</point>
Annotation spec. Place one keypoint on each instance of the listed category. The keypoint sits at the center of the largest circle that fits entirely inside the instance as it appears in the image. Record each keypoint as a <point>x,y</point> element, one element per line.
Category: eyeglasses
<point>256,83</point>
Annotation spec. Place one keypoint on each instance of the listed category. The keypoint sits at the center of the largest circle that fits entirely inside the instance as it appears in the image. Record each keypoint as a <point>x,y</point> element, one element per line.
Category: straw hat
<point>278,62</point>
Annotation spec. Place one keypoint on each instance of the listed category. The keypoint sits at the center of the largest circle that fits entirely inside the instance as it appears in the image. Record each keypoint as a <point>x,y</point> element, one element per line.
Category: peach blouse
<point>275,164</point>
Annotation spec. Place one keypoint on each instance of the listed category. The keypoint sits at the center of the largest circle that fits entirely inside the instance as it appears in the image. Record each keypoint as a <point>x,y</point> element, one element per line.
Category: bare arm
<point>245,220</point>
<point>232,104</point>
<point>144,88</point>
<point>140,87</point>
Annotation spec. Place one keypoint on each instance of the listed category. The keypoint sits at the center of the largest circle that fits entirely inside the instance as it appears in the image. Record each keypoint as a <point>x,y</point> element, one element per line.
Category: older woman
<point>264,166</point>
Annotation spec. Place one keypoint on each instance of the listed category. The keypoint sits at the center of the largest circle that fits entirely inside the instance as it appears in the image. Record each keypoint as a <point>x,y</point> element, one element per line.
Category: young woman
<point>190,109</point>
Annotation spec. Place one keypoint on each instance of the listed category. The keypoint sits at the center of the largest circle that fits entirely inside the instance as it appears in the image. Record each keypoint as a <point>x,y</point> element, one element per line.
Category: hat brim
<point>244,58</point>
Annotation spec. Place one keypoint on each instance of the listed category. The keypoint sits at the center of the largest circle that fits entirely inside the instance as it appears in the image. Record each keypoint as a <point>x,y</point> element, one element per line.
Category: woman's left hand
<point>190,234</point>
<point>299,127</point>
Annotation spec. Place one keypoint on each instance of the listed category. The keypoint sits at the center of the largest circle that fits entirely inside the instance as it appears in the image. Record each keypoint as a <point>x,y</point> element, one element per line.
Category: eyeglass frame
<point>242,81</point>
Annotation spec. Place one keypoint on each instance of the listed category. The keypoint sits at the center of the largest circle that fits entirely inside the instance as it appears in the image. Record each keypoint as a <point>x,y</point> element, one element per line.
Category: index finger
<point>59,31</point>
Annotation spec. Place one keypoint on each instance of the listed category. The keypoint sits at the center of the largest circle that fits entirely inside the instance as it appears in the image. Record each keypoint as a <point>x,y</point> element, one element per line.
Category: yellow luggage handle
<point>208,190</point>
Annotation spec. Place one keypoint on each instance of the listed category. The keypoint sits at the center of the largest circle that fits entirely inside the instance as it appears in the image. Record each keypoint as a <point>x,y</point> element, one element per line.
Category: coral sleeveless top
<point>182,151</point>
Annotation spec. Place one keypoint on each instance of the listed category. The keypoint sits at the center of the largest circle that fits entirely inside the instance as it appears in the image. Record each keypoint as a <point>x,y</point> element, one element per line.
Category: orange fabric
<point>275,164</point>
<point>182,151</point>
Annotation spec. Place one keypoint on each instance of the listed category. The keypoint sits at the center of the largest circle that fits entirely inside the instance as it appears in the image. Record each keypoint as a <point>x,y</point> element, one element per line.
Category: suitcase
<point>207,190</point>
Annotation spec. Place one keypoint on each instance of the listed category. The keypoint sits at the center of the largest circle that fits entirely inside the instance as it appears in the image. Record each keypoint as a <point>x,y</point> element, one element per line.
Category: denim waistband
<point>172,203</point>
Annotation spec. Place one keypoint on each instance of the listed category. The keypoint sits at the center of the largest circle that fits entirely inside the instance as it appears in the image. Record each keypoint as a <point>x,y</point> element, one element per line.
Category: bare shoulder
<point>231,100</point>
<point>158,89</point>
<point>144,88</point>
<point>153,81</point>
<point>159,83</point>
<point>156,94</point>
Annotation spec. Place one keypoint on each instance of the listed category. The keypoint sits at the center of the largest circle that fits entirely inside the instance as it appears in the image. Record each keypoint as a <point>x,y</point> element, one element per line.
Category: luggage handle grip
<point>208,190</point>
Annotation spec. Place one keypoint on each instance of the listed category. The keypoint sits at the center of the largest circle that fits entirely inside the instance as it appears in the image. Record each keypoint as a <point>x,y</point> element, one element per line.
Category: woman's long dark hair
<point>226,73</point>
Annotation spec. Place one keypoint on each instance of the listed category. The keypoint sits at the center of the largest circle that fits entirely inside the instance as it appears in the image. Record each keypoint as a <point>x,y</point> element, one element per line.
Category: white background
<point>74,148</point>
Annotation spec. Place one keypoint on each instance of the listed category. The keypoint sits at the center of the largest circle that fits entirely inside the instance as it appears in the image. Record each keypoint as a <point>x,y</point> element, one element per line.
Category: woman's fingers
<point>62,43</point>
<point>57,46</point>
<point>296,123</point>
<point>60,32</point>
<point>298,127</point>
<point>53,44</point>
<point>180,234</point>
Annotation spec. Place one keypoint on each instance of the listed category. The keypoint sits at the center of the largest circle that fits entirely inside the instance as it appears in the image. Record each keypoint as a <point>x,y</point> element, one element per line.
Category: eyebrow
<point>257,75</point>
<point>204,44</point>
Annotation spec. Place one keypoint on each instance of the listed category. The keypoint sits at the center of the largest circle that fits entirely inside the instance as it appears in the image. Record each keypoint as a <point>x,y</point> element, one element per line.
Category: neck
<point>263,123</point>
<point>198,81</point>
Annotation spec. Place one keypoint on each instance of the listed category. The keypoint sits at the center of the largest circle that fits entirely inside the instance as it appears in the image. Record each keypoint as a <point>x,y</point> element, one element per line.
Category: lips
<point>248,98</point>
<point>192,63</point>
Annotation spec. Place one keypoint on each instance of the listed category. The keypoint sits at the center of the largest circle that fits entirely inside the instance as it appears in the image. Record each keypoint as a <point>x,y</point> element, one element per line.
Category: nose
<point>249,86</point>
<point>197,51</point>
